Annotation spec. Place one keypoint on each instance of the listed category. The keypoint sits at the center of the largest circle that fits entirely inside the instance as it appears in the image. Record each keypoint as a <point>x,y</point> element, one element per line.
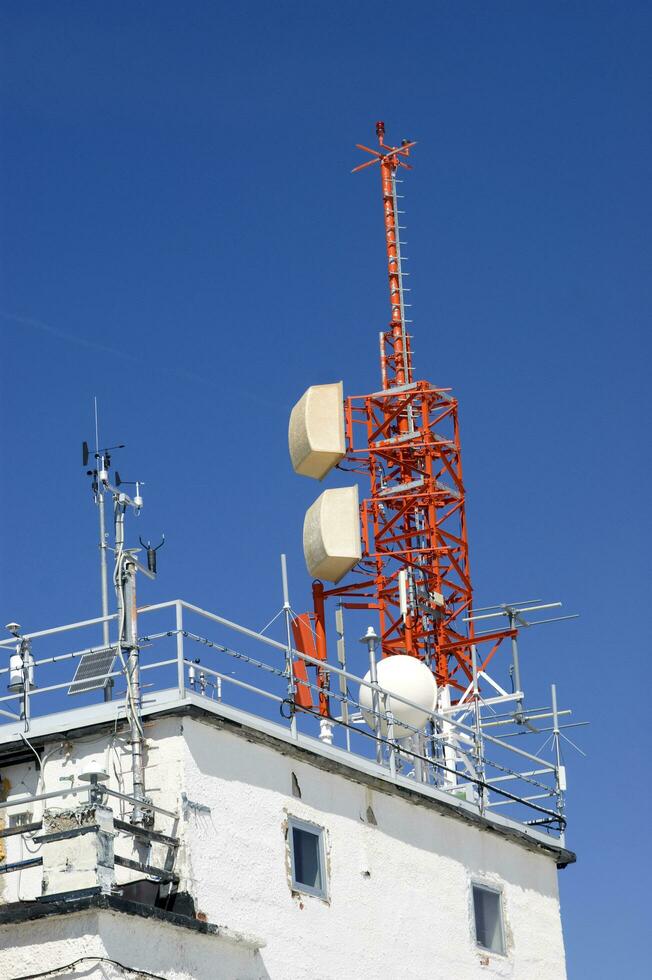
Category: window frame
<point>484,886</point>
<point>320,833</point>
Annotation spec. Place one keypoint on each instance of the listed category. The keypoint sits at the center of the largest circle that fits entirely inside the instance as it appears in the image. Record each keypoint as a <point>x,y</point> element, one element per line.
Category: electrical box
<point>316,433</point>
<point>331,534</point>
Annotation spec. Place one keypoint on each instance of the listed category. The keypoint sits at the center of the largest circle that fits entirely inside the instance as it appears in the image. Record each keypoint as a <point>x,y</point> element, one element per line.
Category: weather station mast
<point>412,567</point>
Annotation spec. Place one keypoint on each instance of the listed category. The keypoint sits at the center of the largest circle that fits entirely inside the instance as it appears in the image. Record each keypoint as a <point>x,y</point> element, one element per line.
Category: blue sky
<point>182,238</point>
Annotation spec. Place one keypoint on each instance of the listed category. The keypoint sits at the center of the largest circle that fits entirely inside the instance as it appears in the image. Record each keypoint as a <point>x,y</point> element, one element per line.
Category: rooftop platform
<point>461,764</point>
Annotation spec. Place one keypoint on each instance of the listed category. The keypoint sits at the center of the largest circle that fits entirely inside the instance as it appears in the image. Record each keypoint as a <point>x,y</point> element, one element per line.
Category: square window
<point>488,915</point>
<point>308,857</point>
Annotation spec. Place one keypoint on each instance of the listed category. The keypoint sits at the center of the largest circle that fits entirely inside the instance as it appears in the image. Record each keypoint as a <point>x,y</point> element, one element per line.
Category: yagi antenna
<point>514,611</point>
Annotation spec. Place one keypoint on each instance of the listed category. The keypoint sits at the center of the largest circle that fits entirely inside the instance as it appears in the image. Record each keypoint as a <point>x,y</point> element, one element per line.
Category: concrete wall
<point>400,873</point>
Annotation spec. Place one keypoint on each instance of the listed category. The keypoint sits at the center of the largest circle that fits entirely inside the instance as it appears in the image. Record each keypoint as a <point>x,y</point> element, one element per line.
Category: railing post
<point>390,736</point>
<point>370,640</point>
<point>289,666</point>
<point>341,659</point>
<point>560,770</point>
<point>27,671</point>
<point>181,671</point>
<point>478,745</point>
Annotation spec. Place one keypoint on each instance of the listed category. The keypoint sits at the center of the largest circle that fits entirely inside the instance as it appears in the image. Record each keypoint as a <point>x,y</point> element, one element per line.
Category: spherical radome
<point>409,678</point>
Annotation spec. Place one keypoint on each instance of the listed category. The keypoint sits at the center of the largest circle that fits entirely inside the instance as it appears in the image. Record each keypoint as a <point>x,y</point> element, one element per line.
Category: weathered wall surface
<point>64,759</point>
<point>18,781</point>
<point>102,942</point>
<point>399,891</point>
<point>400,873</point>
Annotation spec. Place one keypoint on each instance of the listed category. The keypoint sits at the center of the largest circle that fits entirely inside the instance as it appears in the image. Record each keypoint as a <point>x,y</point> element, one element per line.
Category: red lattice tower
<point>405,438</point>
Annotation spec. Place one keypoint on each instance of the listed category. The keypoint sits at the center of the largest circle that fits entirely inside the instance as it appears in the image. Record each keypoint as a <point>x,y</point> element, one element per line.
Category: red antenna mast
<point>405,439</point>
<point>395,354</point>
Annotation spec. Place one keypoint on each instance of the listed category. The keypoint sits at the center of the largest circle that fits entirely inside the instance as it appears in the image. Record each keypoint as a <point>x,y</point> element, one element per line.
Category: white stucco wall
<point>399,901</point>
<point>399,892</point>
<point>101,942</point>
<point>65,758</point>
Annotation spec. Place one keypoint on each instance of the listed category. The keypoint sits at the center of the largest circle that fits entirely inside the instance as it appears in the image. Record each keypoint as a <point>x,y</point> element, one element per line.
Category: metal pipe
<point>130,799</point>
<point>510,610</point>
<point>104,582</point>
<point>560,771</point>
<point>134,698</point>
<point>226,622</point>
<point>70,656</point>
<point>525,800</point>
<point>516,668</point>
<point>159,663</point>
<point>247,687</point>
<point>498,722</point>
<point>390,738</point>
<point>479,751</point>
<point>60,629</point>
<point>10,714</point>
<point>104,578</point>
<point>73,790</point>
<point>289,666</point>
<point>341,657</point>
<point>370,638</point>
<point>181,674</point>
<point>542,731</point>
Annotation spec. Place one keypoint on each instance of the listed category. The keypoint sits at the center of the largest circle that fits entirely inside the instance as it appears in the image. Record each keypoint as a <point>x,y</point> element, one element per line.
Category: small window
<point>308,857</point>
<point>488,914</point>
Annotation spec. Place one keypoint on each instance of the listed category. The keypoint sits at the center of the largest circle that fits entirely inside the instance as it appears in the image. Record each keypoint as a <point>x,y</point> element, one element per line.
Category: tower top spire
<point>395,353</point>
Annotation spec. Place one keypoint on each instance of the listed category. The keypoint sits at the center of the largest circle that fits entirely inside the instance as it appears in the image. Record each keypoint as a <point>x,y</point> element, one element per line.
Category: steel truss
<point>406,440</point>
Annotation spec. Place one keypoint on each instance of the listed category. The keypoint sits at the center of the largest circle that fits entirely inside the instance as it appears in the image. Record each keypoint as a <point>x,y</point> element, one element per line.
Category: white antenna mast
<point>99,475</point>
<point>102,543</point>
<point>124,579</point>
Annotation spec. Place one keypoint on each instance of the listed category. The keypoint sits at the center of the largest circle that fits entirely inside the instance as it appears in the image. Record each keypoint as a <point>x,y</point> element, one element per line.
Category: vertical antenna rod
<point>104,579</point>
<point>396,339</point>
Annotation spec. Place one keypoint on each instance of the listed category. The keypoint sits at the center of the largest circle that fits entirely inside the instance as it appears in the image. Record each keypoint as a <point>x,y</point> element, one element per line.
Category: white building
<point>280,857</point>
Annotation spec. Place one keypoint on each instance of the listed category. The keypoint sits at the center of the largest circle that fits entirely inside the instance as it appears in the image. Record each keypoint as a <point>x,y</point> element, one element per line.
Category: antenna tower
<point>405,438</point>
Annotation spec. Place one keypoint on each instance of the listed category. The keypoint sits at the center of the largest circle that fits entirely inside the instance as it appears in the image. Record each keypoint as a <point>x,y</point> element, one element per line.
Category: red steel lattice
<point>405,438</point>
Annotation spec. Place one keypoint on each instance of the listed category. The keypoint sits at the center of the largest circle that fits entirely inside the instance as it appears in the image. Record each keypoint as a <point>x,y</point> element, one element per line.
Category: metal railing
<point>466,751</point>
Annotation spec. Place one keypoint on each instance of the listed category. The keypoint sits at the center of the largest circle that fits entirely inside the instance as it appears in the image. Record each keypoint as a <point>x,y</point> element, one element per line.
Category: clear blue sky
<point>182,237</point>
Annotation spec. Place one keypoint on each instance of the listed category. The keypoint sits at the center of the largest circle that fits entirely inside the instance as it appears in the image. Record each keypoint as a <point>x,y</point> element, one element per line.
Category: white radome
<point>411,679</point>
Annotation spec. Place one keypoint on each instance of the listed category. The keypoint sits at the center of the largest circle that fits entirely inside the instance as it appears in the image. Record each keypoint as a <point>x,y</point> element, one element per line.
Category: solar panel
<point>92,670</point>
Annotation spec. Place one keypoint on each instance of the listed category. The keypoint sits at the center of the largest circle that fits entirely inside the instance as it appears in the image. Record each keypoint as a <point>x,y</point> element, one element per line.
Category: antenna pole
<point>125,588</point>
<point>515,665</point>
<point>396,338</point>
<point>288,637</point>
<point>560,772</point>
<point>104,576</point>
<point>134,699</point>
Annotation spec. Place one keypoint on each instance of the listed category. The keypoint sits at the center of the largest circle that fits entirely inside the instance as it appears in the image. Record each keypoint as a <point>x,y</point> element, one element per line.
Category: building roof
<point>100,717</point>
